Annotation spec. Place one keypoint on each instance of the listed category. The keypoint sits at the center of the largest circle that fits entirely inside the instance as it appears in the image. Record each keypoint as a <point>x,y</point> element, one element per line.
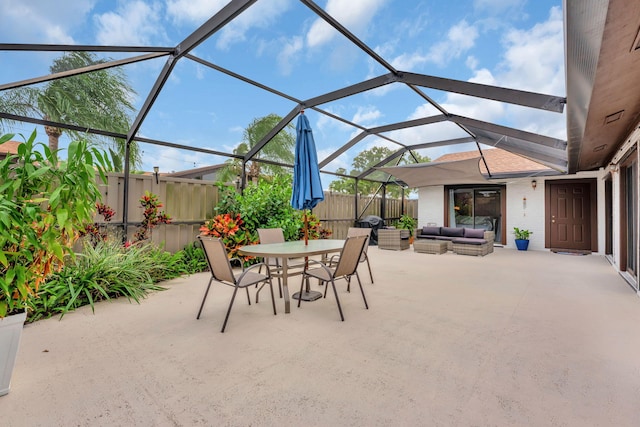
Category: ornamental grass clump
<point>104,271</point>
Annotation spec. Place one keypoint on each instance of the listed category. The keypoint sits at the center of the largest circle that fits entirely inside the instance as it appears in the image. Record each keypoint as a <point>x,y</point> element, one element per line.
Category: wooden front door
<point>570,216</point>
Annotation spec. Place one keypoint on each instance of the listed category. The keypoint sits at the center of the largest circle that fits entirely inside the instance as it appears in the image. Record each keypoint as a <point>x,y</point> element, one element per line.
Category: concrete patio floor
<point>510,339</point>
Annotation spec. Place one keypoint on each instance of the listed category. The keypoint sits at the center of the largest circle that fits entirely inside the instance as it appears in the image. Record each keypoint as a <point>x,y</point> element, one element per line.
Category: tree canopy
<point>279,149</point>
<point>99,99</point>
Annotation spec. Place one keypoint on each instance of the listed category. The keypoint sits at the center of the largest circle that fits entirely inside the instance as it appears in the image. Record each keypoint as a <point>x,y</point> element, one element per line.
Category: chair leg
<point>301,286</point>
<point>273,300</point>
<point>233,297</point>
<point>366,258</point>
<point>335,292</point>
<point>259,289</point>
<point>248,297</point>
<point>204,298</point>
<point>362,290</point>
<point>280,286</point>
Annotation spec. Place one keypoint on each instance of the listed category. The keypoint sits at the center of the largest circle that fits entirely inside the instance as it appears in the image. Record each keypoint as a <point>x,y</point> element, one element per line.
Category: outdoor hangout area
<point>320,213</point>
<point>496,340</point>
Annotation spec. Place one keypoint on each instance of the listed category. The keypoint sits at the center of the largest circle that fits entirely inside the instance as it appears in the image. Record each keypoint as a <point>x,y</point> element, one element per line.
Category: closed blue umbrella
<point>307,188</point>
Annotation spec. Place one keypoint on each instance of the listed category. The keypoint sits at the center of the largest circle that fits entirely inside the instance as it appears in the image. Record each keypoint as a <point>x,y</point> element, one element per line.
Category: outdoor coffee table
<point>429,246</point>
<point>287,250</point>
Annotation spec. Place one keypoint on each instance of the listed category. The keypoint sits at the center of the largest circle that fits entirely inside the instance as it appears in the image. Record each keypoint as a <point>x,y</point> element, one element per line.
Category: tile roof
<point>499,161</point>
<point>9,147</point>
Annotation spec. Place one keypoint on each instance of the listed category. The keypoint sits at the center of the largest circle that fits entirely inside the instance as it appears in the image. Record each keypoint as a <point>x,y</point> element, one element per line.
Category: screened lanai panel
<point>78,90</point>
<point>285,40</point>
<point>230,106</point>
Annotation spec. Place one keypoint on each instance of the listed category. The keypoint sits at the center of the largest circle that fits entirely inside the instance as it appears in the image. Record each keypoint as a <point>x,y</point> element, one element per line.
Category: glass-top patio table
<point>287,250</point>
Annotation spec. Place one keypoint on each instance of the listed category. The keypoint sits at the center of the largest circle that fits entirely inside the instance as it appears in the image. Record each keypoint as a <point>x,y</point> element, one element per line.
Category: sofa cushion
<point>469,241</point>
<point>452,231</point>
<point>446,238</point>
<point>432,231</point>
<point>474,233</point>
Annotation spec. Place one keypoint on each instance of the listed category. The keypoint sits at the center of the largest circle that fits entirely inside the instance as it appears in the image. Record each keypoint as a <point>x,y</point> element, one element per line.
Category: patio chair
<point>221,271</point>
<point>356,231</point>
<point>346,268</point>
<point>275,235</point>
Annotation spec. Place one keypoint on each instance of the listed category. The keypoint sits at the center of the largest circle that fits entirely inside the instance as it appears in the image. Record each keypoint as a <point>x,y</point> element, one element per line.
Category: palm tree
<point>279,149</point>
<point>100,100</point>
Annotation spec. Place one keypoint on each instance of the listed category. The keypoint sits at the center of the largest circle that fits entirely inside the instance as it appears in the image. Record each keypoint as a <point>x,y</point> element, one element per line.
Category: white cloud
<point>261,15</point>
<point>355,15</point>
<point>366,116</point>
<point>42,21</point>
<point>193,11</point>
<point>534,59</point>
<point>460,38</point>
<point>289,53</point>
<point>132,23</point>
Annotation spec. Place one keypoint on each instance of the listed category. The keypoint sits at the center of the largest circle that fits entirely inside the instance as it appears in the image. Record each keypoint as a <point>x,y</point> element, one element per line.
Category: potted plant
<point>44,204</point>
<point>407,222</point>
<point>522,238</point>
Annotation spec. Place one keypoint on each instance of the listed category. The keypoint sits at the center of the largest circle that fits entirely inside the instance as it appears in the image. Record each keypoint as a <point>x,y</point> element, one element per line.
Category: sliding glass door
<point>630,217</point>
<point>476,208</point>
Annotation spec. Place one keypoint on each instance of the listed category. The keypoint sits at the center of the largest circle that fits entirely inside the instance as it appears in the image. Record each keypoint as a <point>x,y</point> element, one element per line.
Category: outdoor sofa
<point>460,240</point>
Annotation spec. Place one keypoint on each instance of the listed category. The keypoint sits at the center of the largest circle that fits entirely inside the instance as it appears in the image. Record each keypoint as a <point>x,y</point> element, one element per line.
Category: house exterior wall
<point>632,142</point>
<point>431,205</point>
<point>529,214</point>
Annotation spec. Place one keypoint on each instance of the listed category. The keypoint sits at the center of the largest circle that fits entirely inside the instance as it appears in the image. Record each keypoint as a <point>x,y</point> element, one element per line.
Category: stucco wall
<point>431,205</point>
<point>529,215</point>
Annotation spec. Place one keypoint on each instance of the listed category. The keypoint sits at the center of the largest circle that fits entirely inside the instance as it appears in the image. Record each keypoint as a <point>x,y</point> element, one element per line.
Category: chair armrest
<point>254,266</point>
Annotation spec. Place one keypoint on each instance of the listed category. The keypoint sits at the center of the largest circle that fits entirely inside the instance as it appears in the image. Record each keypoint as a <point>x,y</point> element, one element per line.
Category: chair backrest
<point>350,255</point>
<point>356,231</point>
<point>216,255</point>
<point>271,235</point>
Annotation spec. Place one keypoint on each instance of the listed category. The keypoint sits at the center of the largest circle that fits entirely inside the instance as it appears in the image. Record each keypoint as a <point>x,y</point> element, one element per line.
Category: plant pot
<point>522,244</point>
<point>10,332</point>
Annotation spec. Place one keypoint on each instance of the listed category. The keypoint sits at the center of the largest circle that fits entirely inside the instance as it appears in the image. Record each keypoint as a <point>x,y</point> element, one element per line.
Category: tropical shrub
<point>44,204</point>
<point>232,231</point>
<point>97,232</point>
<point>315,229</point>
<point>152,216</point>
<point>265,205</point>
<point>193,258</point>
<point>268,205</point>
<point>407,222</point>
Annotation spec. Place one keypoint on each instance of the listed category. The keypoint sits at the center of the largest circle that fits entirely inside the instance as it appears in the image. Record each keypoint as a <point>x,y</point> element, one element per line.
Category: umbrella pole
<point>307,295</point>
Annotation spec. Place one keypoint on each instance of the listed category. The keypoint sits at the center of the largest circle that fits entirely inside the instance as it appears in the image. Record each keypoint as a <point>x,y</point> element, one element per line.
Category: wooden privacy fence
<point>338,211</point>
<point>190,202</point>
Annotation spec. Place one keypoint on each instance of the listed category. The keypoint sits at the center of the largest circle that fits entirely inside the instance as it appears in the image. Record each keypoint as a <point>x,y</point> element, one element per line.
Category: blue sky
<point>282,44</point>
